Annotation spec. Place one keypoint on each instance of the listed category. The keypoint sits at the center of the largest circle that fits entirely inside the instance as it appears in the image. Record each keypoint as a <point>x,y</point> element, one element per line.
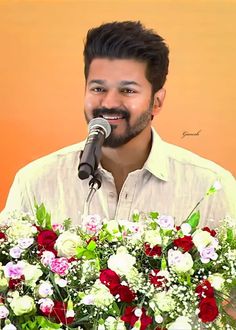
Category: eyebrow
<point>122,83</point>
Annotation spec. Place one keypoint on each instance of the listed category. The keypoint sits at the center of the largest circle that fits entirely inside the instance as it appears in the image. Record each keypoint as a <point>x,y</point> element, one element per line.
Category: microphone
<point>99,129</point>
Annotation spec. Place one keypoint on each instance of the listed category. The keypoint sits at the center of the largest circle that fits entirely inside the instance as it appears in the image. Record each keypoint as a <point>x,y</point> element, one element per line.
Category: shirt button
<point>111,194</point>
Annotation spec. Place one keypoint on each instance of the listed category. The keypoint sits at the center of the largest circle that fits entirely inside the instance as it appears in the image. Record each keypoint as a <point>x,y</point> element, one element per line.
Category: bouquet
<point>115,275</point>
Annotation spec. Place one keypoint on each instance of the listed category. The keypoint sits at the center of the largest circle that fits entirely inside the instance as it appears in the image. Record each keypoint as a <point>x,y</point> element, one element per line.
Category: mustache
<point>100,112</point>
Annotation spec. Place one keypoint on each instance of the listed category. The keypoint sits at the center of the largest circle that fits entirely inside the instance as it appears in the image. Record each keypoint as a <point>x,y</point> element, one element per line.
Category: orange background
<point>42,84</point>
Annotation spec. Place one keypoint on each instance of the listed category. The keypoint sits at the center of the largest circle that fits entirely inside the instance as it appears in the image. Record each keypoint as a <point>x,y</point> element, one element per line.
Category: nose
<point>111,99</point>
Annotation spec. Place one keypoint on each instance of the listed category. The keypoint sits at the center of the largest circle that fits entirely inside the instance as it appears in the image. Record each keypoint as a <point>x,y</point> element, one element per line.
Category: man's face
<point>119,91</point>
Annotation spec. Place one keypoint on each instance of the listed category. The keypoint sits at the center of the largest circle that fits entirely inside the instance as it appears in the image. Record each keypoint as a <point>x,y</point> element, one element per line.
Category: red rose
<point>184,243</point>
<point>108,278</point>
<point>130,318</point>
<point>156,250</point>
<point>46,240</point>
<point>208,310</point>
<point>212,232</point>
<point>157,281</point>
<point>204,289</point>
<point>124,292</point>
<point>3,236</point>
<point>15,283</point>
<point>59,313</point>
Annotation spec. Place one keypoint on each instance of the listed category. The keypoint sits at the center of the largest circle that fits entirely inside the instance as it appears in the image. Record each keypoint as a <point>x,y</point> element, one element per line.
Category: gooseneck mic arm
<point>99,130</point>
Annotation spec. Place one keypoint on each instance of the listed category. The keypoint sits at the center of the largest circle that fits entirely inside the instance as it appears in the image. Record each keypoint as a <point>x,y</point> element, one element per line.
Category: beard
<point>131,131</point>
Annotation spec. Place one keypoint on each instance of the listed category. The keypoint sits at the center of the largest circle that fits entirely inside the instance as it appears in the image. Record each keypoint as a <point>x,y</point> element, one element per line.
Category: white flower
<point>32,273</point>
<point>24,243</point>
<point>162,301</point>
<point>186,228</point>
<point>158,319</point>
<point>45,289</point>
<point>19,229</point>
<point>46,305</point>
<point>102,295</point>
<point>153,237</point>
<point>166,222</point>
<point>217,281</point>
<point>15,252</point>
<point>181,323</point>
<point>112,323</point>
<point>4,312</point>
<point>112,227</point>
<point>181,262</point>
<point>88,299</point>
<point>9,326</point>
<point>22,305</point>
<point>61,282</point>
<point>67,243</point>
<point>47,257</point>
<point>202,238</point>
<point>122,262</point>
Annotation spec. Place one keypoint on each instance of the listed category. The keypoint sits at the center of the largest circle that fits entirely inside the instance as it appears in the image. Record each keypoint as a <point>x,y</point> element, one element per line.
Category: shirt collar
<point>157,161</point>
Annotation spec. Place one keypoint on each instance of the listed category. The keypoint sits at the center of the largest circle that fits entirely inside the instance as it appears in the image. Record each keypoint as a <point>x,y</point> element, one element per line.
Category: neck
<point>128,157</point>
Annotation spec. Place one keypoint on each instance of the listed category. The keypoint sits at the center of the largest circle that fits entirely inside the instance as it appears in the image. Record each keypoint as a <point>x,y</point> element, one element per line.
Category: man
<point>125,70</point>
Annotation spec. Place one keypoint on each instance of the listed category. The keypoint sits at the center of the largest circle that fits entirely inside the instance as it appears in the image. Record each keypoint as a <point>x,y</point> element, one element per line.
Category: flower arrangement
<point>115,275</point>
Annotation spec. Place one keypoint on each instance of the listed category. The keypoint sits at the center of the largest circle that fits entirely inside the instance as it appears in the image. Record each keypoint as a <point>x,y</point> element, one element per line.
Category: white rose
<point>162,301</point>
<point>22,305</point>
<point>202,238</point>
<point>217,281</point>
<point>19,229</point>
<point>32,273</point>
<point>181,323</point>
<point>153,237</point>
<point>101,295</point>
<point>122,262</point>
<point>185,264</point>
<point>67,243</point>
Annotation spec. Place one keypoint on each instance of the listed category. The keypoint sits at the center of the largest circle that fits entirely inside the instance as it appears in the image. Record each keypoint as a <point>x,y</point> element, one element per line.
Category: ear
<point>159,97</point>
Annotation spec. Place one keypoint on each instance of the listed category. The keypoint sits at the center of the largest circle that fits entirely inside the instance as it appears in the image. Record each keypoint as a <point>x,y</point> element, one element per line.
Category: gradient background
<point>42,84</point>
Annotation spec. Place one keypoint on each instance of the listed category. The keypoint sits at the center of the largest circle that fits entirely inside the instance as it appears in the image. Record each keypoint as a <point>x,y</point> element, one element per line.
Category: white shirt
<point>171,182</point>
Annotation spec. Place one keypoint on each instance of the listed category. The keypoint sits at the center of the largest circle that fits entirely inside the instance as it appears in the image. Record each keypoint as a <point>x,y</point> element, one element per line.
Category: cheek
<point>89,104</point>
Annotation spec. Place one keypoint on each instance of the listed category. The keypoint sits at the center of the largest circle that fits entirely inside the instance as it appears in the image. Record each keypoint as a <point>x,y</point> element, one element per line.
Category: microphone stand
<point>94,184</point>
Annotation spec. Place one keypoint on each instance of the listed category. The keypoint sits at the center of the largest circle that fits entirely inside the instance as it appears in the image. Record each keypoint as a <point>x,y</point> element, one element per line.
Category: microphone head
<point>101,123</point>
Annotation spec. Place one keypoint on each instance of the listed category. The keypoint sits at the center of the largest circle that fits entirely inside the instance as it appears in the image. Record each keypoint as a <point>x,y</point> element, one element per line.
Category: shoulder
<point>65,158</point>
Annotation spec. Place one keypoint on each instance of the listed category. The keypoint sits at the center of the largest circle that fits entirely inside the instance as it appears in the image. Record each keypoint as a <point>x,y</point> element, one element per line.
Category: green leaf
<point>135,217</point>
<point>43,217</point>
<point>80,252</point>
<point>163,264</point>
<point>154,215</point>
<point>230,235</point>
<point>193,221</point>
<point>89,254</point>
<point>91,246</point>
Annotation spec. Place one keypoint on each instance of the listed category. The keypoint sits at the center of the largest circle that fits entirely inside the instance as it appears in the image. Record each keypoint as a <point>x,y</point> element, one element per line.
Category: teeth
<point>112,117</point>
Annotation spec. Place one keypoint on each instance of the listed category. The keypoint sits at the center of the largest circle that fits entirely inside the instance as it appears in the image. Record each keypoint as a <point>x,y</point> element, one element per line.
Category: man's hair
<point>129,40</point>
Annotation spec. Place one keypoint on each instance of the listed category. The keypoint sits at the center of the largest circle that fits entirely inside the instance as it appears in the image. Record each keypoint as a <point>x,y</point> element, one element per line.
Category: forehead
<point>116,70</point>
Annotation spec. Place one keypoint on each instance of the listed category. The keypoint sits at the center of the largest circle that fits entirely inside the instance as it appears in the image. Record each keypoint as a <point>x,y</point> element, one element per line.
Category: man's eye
<point>128,91</point>
<point>98,89</point>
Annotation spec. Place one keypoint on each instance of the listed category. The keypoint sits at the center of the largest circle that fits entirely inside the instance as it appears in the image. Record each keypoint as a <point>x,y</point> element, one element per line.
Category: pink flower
<point>59,266</point>
<point>46,305</point>
<point>13,270</point>
<point>58,227</point>
<point>92,224</point>
<point>47,257</point>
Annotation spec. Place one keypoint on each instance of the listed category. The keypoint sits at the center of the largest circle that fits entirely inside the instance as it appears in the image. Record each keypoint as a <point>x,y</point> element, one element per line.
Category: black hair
<point>129,40</point>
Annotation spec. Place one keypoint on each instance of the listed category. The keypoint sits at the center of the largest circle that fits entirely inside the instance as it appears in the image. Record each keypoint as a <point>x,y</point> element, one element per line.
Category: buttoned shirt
<point>171,182</point>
